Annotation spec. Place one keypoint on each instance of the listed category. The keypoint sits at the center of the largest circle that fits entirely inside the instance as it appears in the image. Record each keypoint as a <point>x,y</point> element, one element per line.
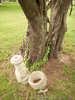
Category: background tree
<point>0,1</point>
<point>37,38</point>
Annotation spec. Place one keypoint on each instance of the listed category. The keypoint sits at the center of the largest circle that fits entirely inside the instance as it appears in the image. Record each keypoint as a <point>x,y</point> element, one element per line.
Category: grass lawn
<point>13,26</point>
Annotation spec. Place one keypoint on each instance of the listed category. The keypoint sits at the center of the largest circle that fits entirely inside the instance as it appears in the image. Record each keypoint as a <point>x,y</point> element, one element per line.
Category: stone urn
<point>21,72</point>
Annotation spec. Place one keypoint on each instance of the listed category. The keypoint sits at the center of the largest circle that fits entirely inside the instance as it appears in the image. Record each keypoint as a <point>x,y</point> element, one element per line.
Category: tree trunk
<point>36,36</point>
<point>58,25</point>
<point>35,11</point>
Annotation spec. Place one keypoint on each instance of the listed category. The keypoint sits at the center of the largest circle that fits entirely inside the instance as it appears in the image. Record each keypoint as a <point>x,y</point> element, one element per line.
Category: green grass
<point>69,41</point>
<point>37,64</point>
<point>13,26</point>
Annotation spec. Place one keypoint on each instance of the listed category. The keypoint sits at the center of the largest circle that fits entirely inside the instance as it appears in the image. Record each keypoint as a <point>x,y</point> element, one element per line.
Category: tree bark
<point>58,27</point>
<point>35,11</point>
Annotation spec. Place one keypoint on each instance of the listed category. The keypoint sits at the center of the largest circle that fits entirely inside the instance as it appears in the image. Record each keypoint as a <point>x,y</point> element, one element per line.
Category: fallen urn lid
<point>37,80</point>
